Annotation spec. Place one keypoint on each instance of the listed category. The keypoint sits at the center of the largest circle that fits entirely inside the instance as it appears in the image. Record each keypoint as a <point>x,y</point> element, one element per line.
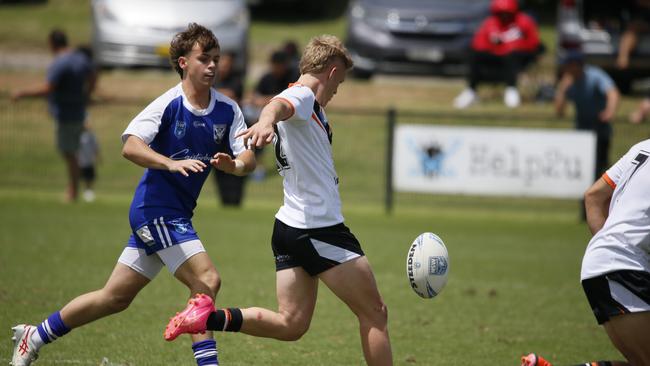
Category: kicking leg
<point>354,283</point>
<point>296,293</point>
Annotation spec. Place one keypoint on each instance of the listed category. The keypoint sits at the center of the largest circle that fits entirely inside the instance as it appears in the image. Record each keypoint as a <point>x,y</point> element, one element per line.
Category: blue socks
<point>52,328</point>
<point>205,352</point>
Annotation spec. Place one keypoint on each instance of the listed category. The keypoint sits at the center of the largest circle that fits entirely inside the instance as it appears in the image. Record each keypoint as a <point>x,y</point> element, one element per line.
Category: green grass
<point>26,26</point>
<point>515,263</point>
<point>513,286</point>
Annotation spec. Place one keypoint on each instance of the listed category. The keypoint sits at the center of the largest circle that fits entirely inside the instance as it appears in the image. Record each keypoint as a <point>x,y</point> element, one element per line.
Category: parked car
<point>595,28</point>
<point>412,36</point>
<point>300,8</point>
<point>137,33</point>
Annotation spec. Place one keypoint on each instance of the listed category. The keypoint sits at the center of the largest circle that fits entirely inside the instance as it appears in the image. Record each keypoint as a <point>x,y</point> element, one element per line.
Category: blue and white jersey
<point>172,127</point>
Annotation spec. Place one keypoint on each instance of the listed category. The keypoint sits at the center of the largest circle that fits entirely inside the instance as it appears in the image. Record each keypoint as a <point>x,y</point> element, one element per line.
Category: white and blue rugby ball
<point>427,265</point>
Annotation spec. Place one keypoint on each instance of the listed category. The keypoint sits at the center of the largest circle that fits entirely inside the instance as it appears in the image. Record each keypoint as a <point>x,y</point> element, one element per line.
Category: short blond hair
<point>321,51</point>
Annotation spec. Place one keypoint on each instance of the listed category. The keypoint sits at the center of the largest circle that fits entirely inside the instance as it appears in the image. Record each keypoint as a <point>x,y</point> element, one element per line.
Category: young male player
<point>616,266</point>
<point>310,241</point>
<point>175,138</point>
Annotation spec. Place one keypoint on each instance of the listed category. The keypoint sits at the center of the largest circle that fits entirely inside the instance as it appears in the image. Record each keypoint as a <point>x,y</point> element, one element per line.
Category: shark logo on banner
<point>432,158</point>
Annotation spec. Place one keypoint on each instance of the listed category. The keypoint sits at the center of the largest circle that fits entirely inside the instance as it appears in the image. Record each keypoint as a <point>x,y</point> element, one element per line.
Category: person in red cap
<point>505,43</point>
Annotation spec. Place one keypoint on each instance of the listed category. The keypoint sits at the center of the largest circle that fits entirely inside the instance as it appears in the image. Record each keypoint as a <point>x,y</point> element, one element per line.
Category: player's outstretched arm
<point>261,133</point>
<point>136,150</point>
<point>242,165</point>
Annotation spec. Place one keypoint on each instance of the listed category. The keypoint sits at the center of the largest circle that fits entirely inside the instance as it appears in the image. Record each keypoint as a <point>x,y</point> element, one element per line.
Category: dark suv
<point>412,36</point>
<point>595,27</point>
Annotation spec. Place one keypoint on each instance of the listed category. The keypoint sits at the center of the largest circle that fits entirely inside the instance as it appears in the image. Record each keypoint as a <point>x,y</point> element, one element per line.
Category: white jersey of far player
<point>304,158</point>
<point>623,243</point>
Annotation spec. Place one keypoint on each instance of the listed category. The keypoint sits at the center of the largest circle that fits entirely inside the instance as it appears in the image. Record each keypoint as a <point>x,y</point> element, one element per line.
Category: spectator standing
<point>505,43</point>
<point>595,97</point>
<point>88,157</point>
<point>70,79</point>
<point>229,83</point>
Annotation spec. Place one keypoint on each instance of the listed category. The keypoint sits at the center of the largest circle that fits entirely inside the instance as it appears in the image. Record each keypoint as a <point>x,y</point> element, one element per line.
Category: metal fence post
<point>390,125</point>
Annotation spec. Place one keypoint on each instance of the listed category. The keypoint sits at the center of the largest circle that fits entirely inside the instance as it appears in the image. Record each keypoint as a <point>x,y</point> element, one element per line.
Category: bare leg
<point>630,333</point>
<point>641,111</point>
<point>120,289</point>
<point>200,276</point>
<point>354,283</point>
<point>296,293</point>
<point>627,43</point>
<point>73,175</point>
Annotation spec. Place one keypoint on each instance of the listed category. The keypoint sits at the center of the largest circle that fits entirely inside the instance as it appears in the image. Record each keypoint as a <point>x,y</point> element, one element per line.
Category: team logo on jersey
<point>145,235</point>
<point>179,129</point>
<point>219,131</point>
<point>180,226</point>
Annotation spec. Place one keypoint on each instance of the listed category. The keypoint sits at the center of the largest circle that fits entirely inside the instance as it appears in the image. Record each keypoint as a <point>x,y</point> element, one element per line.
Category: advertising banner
<point>493,161</point>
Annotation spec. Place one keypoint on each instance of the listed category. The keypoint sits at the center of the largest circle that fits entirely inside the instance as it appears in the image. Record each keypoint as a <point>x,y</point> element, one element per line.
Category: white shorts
<point>150,265</point>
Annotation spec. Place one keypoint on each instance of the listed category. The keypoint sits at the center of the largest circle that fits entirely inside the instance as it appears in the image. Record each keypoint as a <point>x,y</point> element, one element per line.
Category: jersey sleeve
<point>55,71</point>
<point>147,123</point>
<point>238,125</point>
<point>605,83</point>
<point>301,99</point>
<point>613,175</point>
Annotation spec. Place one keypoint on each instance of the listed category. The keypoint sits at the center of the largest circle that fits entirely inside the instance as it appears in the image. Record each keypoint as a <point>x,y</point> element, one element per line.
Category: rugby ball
<point>427,265</point>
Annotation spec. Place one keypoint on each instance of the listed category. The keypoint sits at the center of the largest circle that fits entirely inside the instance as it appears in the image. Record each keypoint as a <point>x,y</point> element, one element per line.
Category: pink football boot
<point>191,320</point>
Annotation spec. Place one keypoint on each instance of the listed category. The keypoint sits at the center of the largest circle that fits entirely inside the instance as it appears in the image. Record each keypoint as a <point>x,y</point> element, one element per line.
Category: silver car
<point>412,36</point>
<point>137,33</point>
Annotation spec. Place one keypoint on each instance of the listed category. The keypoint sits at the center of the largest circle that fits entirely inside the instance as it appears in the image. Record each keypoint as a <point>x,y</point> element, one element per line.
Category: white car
<point>130,33</point>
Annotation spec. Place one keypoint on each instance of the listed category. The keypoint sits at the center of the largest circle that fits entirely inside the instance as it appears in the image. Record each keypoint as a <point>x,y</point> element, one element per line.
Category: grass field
<point>513,286</point>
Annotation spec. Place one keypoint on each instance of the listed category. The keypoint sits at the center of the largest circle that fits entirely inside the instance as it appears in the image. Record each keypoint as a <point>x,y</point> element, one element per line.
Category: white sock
<point>36,339</point>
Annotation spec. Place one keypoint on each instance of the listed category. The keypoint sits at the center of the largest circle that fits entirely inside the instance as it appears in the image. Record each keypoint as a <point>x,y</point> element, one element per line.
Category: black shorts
<point>315,250</point>
<point>617,293</point>
<point>87,173</point>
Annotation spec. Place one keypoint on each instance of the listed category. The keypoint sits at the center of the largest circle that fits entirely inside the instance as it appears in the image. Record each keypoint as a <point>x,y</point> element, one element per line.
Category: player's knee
<point>117,302</point>
<point>212,280</point>
<point>294,329</point>
<point>375,314</point>
<point>295,332</point>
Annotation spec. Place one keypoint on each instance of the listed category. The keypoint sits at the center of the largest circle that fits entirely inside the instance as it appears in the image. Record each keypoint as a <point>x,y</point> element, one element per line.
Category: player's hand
<point>258,135</point>
<point>605,115</point>
<point>223,162</point>
<point>185,167</point>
